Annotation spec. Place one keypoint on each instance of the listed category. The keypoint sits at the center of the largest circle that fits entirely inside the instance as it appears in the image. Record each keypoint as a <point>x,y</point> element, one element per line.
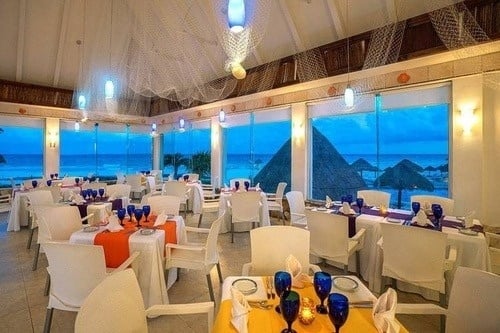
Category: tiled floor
<point>23,306</point>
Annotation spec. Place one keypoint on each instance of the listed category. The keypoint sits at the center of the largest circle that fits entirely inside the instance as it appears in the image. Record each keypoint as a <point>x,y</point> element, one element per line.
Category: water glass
<point>282,283</point>
<point>237,185</point>
<point>360,202</point>
<point>138,216</point>
<point>34,183</point>
<point>247,185</point>
<point>49,182</point>
<point>146,209</point>
<point>289,306</point>
<point>415,206</point>
<point>101,192</point>
<point>77,180</point>
<point>130,211</point>
<point>338,310</point>
<point>121,214</point>
<point>94,194</point>
<point>349,198</point>
<point>322,287</point>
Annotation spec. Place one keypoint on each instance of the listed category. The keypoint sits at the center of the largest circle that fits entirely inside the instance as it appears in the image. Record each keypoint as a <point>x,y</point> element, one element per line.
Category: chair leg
<point>232,232</point>
<point>358,264</point>
<point>47,285</point>
<point>442,318</point>
<point>210,288</point>
<point>345,269</point>
<point>219,272</point>
<point>199,221</point>
<point>30,238</point>
<point>394,284</point>
<point>48,320</point>
<point>282,218</point>
<point>35,259</point>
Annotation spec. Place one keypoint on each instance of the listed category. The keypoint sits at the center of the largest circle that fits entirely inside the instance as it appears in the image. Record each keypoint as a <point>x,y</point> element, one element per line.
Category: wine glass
<point>138,216</point>
<point>247,185</point>
<point>237,185</point>
<point>56,175</point>
<point>185,177</point>
<point>94,194</point>
<point>360,203</point>
<point>289,305</point>
<point>282,283</point>
<point>437,211</point>
<point>146,209</point>
<point>85,178</point>
<point>34,183</point>
<point>51,176</point>
<point>101,192</point>
<point>130,211</point>
<point>415,206</point>
<point>49,182</point>
<point>77,180</point>
<point>322,286</point>
<point>349,198</point>
<point>121,214</point>
<point>338,310</point>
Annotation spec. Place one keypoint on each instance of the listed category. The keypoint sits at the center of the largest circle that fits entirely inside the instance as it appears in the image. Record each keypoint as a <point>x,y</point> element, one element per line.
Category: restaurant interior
<point>328,164</point>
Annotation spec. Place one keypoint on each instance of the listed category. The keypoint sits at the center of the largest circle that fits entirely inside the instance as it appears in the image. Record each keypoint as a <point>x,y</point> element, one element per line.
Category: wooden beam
<point>338,25</point>
<point>20,40</point>
<point>62,39</point>
<point>299,46</point>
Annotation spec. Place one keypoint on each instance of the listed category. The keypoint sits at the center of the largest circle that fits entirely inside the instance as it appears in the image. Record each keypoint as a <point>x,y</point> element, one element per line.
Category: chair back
<point>95,186</point>
<point>191,176</point>
<point>56,193</point>
<point>241,180</point>
<point>474,302</point>
<point>270,246</point>
<point>135,181</point>
<point>329,235</point>
<point>41,197</point>
<point>280,192</point>
<point>211,253</point>
<point>75,270</point>
<point>150,184</point>
<point>118,190</point>
<point>175,188</point>
<point>123,308</point>
<point>164,203</point>
<point>447,204</point>
<point>493,242</point>
<point>415,255</point>
<point>375,198</point>
<point>245,207</point>
<point>57,223</point>
<point>297,207</point>
<point>158,174</point>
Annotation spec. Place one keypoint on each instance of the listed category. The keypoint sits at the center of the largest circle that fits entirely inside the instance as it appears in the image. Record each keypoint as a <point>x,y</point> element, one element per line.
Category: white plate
<point>321,209</point>
<point>393,220</point>
<point>468,232</point>
<point>309,207</point>
<point>246,286</point>
<point>147,231</point>
<point>90,228</point>
<point>170,216</point>
<point>345,283</point>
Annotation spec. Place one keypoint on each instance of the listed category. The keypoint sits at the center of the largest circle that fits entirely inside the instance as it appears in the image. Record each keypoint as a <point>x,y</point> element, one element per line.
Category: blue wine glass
<point>34,183</point>
<point>101,192</point>
<point>282,283</point>
<point>77,180</point>
<point>130,211</point>
<point>343,199</point>
<point>138,216</point>
<point>49,182</point>
<point>349,198</point>
<point>186,178</point>
<point>146,209</point>
<point>237,185</point>
<point>89,193</point>
<point>360,202</point>
<point>415,206</point>
<point>338,310</point>
<point>56,175</point>
<point>322,286</point>
<point>94,194</point>
<point>121,214</point>
<point>247,185</point>
<point>85,178</point>
<point>289,305</point>
<point>51,176</point>
<point>437,211</point>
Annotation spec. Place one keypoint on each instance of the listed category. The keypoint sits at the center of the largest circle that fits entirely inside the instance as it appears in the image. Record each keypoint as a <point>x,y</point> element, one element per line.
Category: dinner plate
<point>309,207</point>
<point>468,232</point>
<point>147,231</point>
<point>245,286</point>
<point>321,209</point>
<point>170,216</point>
<point>345,283</point>
<point>393,220</point>
<point>90,228</point>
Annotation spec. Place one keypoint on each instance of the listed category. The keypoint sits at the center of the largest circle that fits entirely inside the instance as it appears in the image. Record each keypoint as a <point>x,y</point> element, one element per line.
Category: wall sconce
<point>222,117</point>
<point>236,15</point>
<point>467,119</point>
<point>298,132</point>
<point>182,124</point>
<point>77,126</point>
<point>153,130</point>
<point>52,139</point>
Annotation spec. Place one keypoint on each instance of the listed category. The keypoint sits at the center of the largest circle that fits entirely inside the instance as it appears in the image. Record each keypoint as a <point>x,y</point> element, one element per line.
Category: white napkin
<point>384,310</point>
<point>294,267</point>
<point>468,220</point>
<point>421,219</point>
<point>426,206</point>
<point>239,311</point>
<point>328,202</point>
<point>161,219</point>
<point>346,209</point>
<point>114,224</point>
<point>77,198</point>
<point>112,197</point>
<point>257,187</point>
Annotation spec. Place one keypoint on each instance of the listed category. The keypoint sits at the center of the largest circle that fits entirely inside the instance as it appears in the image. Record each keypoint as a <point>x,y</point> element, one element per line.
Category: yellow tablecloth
<point>262,321</point>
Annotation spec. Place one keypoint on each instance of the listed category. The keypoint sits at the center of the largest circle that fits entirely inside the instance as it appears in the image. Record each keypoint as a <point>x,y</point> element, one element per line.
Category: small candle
<point>306,314</point>
<point>383,210</point>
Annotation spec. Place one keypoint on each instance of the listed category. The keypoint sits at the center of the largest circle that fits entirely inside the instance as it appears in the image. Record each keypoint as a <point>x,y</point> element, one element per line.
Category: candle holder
<point>307,311</point>
<point>383,211</point>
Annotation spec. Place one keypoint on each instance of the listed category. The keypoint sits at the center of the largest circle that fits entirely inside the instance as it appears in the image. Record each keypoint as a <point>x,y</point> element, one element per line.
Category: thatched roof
<point>411,165</point>
<point>2,159</point>
<point>430,168</point>
<point>402,176</point>
<point>276,170</point>
<point>363,165</point>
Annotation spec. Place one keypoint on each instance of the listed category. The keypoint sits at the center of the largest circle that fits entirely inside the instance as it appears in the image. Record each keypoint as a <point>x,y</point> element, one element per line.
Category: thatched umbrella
<point>402,177</point>
<point>2,159</point>
<point>361,165</point>
<point>411,165</point>
<point>443,168</point>
<point>429,169</point>
<point>278,169</point>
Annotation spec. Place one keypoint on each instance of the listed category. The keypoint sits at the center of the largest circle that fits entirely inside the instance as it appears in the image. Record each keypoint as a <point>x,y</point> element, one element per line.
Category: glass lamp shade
<point>236,15</point>
<point>349,97</point>
<point>238,71</point>
<point>109,89</point>
<point>82,102</point>
<point>222,116</point>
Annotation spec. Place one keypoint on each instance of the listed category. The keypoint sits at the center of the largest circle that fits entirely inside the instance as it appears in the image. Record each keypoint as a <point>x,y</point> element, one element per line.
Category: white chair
<point>120,178</point>
<point>493,242</point>
<point>270,246</point>
<point>330,238</point>
<point>136,186</point>
<point>151,186</point>
<point>417,256</point>
<point>5,202</point>
<point>75,270</point>
<point>168,204</point>
<point>447,204</point>
<point>95,186</point>
<point>242,181</point>
<point>119,191</point>
<point>474,303</point>
<point>375,198</point>
<point>197,255</point>
<point>56,223</point>
<point>297,209</point>
<point>208,206</point>
<point>275,200</point>
<point>245,208</point>
<point>37,198</point>
<point>158,174</point>
<point>178,189</point>
<point>123,310</point>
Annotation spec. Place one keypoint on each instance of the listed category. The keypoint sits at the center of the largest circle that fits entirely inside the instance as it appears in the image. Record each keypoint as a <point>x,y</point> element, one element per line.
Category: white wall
<point>51,154</point>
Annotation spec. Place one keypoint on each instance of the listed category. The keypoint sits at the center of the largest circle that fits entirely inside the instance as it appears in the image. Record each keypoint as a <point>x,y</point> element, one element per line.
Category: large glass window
<point>396,142</point>
<point>77,150</point>
<point>21,149</point>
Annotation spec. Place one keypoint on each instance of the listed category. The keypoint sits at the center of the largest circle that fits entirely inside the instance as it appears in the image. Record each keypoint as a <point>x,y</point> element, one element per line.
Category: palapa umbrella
<point>429,169</point>
<point>361,165</point>
<point>2,159</point>
<point>402,177</point>
<point>443,168</point>
<point>411,165</point>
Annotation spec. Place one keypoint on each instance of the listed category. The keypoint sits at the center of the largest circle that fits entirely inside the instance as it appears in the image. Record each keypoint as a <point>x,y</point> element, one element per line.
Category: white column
<point>51,147</point>
<point>300,137</point>
<point>217,145</point>
<point>157,151</point>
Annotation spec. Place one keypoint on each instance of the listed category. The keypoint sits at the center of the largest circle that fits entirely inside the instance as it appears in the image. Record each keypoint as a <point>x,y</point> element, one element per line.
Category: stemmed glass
<point>343,199</point>
<point>338,310</point>
<point>360,203</point>
<point>77,180</point>
<point>437,211</point>
<point>101,192</point>
<point>51,176</point>
<point>121,214</point>
<point>322,286</point>
<point>34,183</point>
<point>349,199</point>
<point>130,211</point>
<point>94,194</point>
<point>146,209</point>
<point>138,216</point>
<point>247,185</point>
<point>415,206</point>
<point>49,182</point>
<point>56,175</point>
<point>289,305</point>
<point>237,185</point>
<point>282,283</point>
<point>186,178</point>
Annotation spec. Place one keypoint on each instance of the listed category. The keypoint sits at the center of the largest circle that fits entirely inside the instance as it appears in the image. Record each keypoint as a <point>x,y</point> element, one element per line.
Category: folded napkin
<point>161,219</point>
<point>328,202</point>
<point>421,219</point>
<point>257,187</point>
<point>77,198</point>
<point>294,267</point>
<point>384,310</point>
<point>114,224</point>
<point>239,311</point>
<point>346,209</point>
<point>468,220</point>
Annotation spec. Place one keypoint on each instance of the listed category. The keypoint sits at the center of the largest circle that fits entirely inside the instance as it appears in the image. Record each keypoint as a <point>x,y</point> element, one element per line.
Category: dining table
<point>263,320</point>
<point>149,241</point>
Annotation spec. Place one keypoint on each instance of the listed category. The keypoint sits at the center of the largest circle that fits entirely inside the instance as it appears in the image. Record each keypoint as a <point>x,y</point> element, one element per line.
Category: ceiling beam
<point>338,25</point>
<point>20,40</point>
<point>62,39</point>
<point>299,46</point>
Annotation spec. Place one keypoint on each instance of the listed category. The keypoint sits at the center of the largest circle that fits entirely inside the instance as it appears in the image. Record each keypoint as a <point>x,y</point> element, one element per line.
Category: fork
<point>271,285</point>
<point>266,282</point>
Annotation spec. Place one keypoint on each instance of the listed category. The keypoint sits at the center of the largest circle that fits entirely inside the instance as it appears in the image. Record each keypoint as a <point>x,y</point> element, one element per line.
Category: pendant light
<point>236,15</point>
<point>348,93</point>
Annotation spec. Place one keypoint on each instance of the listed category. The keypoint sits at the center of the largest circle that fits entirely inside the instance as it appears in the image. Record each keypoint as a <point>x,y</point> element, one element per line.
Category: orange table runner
<point>170,227</point>
<point>263,321</point>
<point>115,244</point>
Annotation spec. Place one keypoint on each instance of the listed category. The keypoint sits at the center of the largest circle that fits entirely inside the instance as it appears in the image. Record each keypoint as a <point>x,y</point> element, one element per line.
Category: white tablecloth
<point>18,215</point>
<point>100,211</point>
<point>238,227</point>
<point>195,197</point>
